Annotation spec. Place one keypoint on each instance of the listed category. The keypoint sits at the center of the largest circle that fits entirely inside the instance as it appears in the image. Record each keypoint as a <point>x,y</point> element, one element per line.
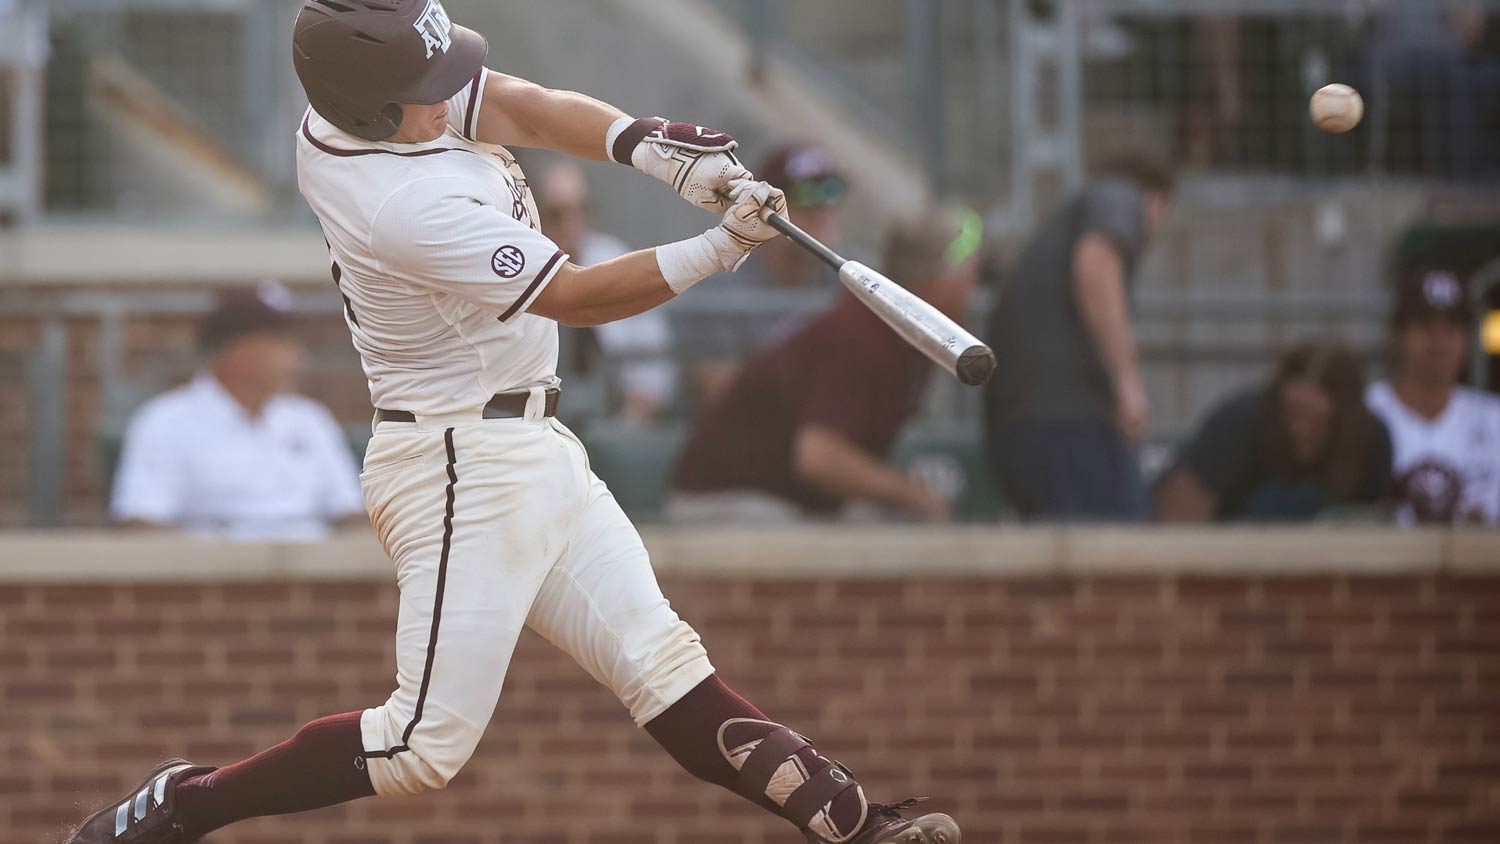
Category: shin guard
<point>820,797</point>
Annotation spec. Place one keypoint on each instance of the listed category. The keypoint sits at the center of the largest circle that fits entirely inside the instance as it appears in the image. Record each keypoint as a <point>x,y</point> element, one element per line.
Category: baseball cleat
<point>927,829</point>
<point>144,816</point>
<point>886,825</point>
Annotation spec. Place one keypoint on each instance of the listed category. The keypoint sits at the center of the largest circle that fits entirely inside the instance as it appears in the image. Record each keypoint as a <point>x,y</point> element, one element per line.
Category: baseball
<point>1337,108</point>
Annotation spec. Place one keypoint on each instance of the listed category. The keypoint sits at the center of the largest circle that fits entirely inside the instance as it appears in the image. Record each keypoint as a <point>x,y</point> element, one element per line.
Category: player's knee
<point>674,664</point>
<point>431,761</point>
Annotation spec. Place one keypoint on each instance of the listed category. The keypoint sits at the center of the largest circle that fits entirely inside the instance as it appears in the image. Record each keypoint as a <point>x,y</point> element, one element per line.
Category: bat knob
<point>975,365</point>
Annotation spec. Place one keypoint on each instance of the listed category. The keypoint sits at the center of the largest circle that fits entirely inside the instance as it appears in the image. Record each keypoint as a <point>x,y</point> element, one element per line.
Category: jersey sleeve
<point>150,478</point>
<point>1113,209</point>
<point>444,235</point>
<point>463,107</point>
<point>1491,498</point>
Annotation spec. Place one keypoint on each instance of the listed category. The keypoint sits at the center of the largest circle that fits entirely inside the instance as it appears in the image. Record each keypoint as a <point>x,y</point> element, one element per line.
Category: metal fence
<point>158,109</point>
<point>998,98</point>
<point>1010,98</point>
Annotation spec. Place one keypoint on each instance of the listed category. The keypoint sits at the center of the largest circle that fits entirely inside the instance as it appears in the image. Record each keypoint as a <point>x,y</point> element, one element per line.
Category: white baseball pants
<point>492,525</point>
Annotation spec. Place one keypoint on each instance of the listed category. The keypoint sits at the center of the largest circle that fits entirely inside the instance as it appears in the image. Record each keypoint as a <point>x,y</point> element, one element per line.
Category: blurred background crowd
<point>1205,310</point>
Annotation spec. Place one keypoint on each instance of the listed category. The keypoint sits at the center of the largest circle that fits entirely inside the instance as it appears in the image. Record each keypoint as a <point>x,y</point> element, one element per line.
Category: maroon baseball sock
<point>312,769</point>
<point>689,730</point>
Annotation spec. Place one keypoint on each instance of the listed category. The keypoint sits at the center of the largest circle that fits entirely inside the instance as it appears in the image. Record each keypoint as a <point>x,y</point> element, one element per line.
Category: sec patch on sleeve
<point>508,261</point>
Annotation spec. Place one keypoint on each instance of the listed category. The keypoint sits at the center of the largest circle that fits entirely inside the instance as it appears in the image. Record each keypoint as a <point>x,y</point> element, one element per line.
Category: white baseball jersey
<point>437,251</point>
<point>1447,469</point>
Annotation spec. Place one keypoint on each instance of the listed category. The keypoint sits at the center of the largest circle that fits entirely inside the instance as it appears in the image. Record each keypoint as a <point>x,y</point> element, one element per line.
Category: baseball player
<point>485,502</point>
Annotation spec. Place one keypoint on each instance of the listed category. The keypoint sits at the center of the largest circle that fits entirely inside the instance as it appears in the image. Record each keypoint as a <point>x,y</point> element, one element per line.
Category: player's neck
<point>404,136</point>
<point>1427,399</point>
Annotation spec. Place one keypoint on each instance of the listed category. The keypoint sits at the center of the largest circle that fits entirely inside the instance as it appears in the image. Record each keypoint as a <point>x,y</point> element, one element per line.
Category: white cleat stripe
<point>159,796</point>
<point>122,818</point>
<point>140,804</point>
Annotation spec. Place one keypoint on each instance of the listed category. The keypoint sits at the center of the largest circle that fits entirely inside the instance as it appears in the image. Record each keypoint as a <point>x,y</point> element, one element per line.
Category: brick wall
<point>1039,710</point>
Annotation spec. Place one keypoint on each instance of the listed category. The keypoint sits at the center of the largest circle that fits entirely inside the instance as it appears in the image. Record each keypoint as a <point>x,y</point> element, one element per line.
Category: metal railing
<point>951,410</point>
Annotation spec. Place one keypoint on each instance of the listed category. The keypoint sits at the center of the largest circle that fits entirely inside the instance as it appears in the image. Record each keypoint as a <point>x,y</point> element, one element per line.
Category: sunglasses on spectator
<point>810,193</point>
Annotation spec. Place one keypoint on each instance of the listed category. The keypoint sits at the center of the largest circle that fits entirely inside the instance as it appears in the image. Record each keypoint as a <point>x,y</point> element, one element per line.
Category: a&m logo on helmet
<point>435,28</point>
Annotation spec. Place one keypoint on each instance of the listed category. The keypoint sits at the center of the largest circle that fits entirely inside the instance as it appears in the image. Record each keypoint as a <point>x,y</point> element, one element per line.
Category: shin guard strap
<point>816,794</point>
<point>755,775</point>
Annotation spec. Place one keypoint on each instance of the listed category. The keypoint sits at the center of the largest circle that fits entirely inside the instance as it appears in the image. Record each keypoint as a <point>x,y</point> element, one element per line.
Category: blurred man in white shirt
<point>1446,436</point>
<point>235,454</point>
<point>643,343</point>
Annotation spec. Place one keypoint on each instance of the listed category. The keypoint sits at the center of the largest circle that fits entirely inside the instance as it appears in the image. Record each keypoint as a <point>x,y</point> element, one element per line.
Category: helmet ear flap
<point>380,126</point>
<point>394,114</point>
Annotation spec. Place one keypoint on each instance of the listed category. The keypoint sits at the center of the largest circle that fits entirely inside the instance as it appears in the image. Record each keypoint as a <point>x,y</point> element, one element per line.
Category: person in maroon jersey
<point>806,426</point>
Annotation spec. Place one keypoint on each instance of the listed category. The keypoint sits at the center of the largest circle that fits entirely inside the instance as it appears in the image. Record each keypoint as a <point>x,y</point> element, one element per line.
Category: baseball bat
<point>930,332</point>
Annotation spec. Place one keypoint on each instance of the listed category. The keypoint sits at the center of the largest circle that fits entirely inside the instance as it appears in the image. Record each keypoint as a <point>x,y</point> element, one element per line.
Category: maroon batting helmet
<point>360,59</point>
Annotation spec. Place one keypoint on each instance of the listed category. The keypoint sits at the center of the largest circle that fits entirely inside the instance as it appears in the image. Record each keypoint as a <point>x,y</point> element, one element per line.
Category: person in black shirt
<point>1287,451</point>
<point>1068,404</point>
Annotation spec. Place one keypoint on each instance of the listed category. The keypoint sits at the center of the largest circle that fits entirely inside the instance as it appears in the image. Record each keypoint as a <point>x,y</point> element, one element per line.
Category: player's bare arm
<point>696,161</point>
<point>630,284</point>
<point>518,113</point>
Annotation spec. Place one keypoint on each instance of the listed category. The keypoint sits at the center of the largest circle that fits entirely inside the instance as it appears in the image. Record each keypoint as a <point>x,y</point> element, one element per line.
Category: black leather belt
<point>502,406</point>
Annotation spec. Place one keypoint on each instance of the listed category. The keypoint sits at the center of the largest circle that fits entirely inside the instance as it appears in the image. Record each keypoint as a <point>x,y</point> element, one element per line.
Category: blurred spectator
<point>1067,403</point>
<point>1435,60</point>
<point>1289,450</point>
<point>815,190</point>
<point>770,296</point>
<point>234,454</point>
<point>807,425</point>
<point>642,343</point>
<point>1446,437</point>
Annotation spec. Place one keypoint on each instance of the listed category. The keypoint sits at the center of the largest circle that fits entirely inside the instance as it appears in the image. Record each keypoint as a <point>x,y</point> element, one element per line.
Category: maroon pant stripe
<point>437,611</point>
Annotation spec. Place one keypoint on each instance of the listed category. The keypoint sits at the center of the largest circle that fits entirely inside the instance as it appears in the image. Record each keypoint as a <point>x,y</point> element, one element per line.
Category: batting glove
<point>727,245</point>
<point>698,162</point>
<point>745,224</point>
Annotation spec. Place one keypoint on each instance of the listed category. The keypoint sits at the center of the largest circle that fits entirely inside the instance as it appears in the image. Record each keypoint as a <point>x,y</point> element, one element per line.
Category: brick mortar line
<point>859,552</point>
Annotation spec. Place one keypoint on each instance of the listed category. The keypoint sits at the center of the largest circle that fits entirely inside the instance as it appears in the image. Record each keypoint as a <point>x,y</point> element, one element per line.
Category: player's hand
<point>698,163</point>
<point>745,221</point>
<point>1132,409</point>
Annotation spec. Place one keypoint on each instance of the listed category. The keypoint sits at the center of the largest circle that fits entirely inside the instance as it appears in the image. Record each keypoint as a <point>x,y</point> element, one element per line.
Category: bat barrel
<point>927,329</point>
